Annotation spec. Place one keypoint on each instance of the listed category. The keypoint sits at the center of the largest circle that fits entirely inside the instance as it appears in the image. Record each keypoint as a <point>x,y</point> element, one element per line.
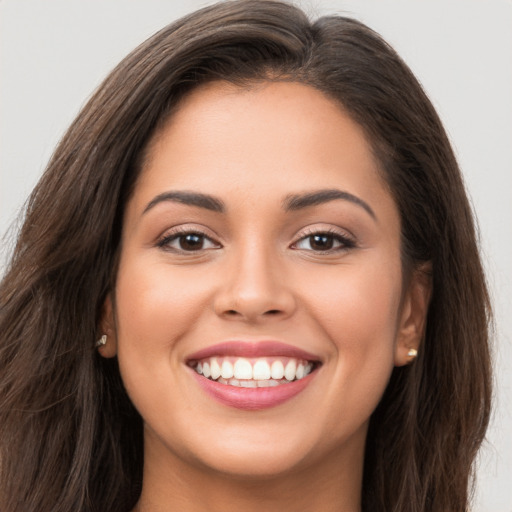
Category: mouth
<point>253,372</point>
<point>253,376</point>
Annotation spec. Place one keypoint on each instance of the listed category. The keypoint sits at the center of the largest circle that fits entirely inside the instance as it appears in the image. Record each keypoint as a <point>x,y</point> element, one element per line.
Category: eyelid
<point>347,240</point>
<point>182,230</point>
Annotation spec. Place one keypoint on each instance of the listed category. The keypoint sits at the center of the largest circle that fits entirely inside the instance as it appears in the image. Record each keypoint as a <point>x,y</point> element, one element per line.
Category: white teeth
<point>253,373</point>
<point>289,371</point>
<point>277,370</point>
<point>227,370</point>
<point>214,369</point>
<point>242,369</point>
<point>261,370</point>
<point>248,384</point>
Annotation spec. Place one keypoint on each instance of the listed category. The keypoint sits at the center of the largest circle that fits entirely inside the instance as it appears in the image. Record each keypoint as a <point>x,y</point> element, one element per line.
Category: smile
<point>253,376</point>
<point>252,373</point>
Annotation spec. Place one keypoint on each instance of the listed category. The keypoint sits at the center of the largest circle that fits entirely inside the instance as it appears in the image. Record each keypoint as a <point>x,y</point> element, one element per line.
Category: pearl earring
<point>412,352</point>
<point>102,341</point>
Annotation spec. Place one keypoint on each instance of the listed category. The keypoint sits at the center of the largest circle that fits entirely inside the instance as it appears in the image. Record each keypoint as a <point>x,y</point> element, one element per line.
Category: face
<point>260,304</point>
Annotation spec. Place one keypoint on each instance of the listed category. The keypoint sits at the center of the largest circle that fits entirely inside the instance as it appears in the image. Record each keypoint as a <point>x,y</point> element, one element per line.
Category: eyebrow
<point>295,202</point>
<point>292,202</point>
<point>189,198</point>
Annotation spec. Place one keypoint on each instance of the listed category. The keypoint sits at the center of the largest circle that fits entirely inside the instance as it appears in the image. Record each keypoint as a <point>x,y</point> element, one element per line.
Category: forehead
<point>267,139</point>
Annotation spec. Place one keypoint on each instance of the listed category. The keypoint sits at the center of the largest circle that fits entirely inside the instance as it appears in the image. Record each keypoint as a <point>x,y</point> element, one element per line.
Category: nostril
<point>273,312</point>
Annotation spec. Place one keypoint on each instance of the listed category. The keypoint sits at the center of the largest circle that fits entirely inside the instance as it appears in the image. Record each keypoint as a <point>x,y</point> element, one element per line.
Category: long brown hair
<point>70,438</point>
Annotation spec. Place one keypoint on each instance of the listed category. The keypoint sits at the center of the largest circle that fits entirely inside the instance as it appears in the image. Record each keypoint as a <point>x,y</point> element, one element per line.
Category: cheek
<point>156,303</point>
<point>358,312</point>
<point>358,307</point>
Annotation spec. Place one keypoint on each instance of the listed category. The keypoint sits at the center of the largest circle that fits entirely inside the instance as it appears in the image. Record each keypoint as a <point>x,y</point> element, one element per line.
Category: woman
<point>248,279</point>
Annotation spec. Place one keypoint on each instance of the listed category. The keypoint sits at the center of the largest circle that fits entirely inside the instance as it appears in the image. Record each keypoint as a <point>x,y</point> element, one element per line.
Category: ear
<point>108,327</point>
<point>413,314</point>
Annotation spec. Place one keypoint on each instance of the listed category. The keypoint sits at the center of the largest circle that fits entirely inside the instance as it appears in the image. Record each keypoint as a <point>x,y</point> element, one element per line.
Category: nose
<point>255,288</point>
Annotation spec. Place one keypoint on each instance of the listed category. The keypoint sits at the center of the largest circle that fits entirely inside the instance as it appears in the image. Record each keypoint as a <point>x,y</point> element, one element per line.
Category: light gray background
<point>54,53</point>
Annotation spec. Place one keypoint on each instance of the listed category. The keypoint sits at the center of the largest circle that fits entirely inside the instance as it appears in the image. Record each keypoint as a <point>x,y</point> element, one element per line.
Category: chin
<point>256,466</point>
<point>242,453</point>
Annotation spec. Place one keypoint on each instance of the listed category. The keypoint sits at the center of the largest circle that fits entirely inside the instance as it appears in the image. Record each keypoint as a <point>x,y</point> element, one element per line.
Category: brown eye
<point>191,242</point>
<point>324,242</point>
<point>321,242</point>
<point>187,242</point>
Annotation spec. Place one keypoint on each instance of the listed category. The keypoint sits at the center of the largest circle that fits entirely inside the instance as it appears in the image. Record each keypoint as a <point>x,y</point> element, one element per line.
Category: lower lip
<point>252,399</point>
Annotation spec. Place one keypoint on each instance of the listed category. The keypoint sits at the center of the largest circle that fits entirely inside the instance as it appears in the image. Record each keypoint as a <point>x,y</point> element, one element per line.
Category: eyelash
<point>345,242</point>
<point>177,234</point>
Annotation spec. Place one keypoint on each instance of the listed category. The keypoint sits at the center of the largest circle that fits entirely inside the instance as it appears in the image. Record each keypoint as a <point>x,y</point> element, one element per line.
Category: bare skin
<point>261,252</point>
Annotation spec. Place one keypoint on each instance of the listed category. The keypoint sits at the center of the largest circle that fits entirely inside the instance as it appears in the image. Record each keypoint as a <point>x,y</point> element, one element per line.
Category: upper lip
<point>252,349</point>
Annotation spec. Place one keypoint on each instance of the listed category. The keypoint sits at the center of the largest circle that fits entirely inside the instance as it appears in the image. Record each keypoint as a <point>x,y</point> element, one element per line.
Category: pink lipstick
<point>253,375</point>
<point>253,349</point>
